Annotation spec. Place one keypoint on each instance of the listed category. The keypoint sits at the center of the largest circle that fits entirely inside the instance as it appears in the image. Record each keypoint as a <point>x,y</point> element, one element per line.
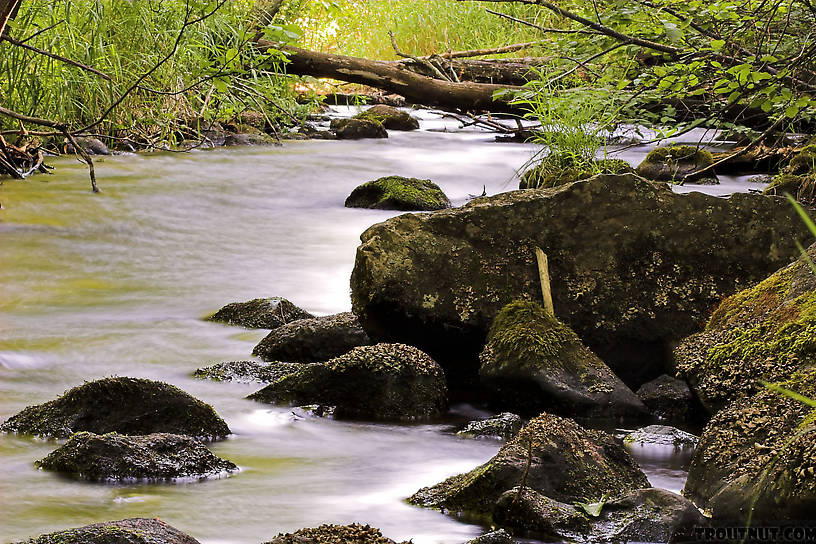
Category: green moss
<point>753,302</point>
<point>799,177</point>
<point>557,169</point>
<point>674,162</point>
<point>398,193</point>
<point>804,161</point>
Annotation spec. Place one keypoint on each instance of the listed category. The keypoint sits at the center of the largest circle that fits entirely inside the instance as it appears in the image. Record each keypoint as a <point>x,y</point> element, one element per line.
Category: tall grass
<point>360,27</point>
<point>124,40</point>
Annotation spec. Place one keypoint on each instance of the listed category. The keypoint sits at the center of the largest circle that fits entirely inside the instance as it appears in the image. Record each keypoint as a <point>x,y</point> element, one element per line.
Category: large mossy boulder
<point>766,332</point>
<point>357,129</point>
<point>389,117</point>
<point>634,267</point>
<point>673,163</point>
<point>334,534</point>
<point>126,531</point>
<point>132,406</point>
<point>798,178</point>
<point>557,169</point>
<point>567,463</point>
<point>313,340</point>
<point>247,371</point>
<point>756,459</point>
<point>380,382</point>
<point>533,363</point>
<point>260,313</point>
<point>114,456</point>
<point>398,193</point>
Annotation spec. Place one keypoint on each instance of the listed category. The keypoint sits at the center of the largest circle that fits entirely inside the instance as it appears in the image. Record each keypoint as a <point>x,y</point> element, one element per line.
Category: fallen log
<point>397,78</point>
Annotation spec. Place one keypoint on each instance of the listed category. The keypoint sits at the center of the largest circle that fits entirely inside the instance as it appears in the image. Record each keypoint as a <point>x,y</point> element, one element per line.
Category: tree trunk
<point>395,77</point>
<point>513,72</point>
<point>8,9</point>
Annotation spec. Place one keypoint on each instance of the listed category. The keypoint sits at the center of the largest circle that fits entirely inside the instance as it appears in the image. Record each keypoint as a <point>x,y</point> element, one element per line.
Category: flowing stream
<point>117,284</point>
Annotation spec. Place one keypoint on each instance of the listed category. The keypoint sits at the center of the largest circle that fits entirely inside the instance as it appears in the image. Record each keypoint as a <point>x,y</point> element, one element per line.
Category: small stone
<point>503,426</point>
<point>260,313</point>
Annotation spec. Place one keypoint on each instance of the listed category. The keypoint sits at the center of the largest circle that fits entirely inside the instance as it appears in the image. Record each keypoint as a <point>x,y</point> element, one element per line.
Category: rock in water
<point>568,464</point>
<point>532,363</point>
<point>674,162</point>
<point>357,129</point>
<point>766,332</point>
<point>557,169</point>
<point>247,371</point>
<point>125,405</point>
<point>633,267</point>
<point>384,381</point>
<point>313,340</point>
<point>670,399</point>
<point>389,117</point>
<point>493,537</point>
<point>661,435</point>
<point>398,193</point>
<point>504,426</point>
<point>527,512</point>
<point>126,531</point>
<point>115,456</point>
<point>260,313</point>
<point>334,534</point>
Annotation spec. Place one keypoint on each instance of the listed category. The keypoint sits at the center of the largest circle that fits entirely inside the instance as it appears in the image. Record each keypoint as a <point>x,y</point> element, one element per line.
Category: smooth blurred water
<point>117,283</point>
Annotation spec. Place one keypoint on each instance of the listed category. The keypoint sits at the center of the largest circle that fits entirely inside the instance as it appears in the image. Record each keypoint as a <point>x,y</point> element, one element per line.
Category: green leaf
<point>791,111</point>
<point>717,45</point>
<point>788,393</point>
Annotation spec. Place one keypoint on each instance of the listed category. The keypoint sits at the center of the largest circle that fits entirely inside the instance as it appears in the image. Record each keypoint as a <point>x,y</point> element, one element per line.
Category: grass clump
<point>557,169</point>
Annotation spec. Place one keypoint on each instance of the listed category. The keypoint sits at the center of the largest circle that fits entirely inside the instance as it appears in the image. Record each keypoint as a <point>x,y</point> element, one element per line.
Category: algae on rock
<point>398,193</point>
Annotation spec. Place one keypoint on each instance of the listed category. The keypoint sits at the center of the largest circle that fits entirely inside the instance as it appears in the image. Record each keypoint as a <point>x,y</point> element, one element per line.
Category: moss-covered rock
<point>798,178</point>
<point>398,193</point>
<point>115,456</point>
<point>260,313</point>
<point>532,362</point>
<point>670,399</point>
<point>558,169</point>
<point>389,117</point>
<point>503,426</point>
<point>357,129</point>
<point>672,163</point>
<point>766,332</point>
<point>634,267</point>
<point>313,340</point>
<point>569,463</point>
<point>247,371</point>
<point>334,534</point>
<point>525,512</point>
<point>131,406</point>
<point>126,531</point>
<point>493,537</point>
<point>757,457</point>
<point>384,381</point>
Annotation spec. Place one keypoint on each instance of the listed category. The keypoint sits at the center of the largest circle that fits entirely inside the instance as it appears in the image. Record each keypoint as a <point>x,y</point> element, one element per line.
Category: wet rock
<point>757,457</point>
<point>334,534</point>
<point>661,435</point>
<point>115,456</point>
<point>247,371</point>
<point>313,340</point>
<point>132,406</point>
<point>493,537</point>
<point>568,464</point>
<point>672,163</point>
<point>233,139</point>
<point>260,313</point>
<point>765,333</point>
<point>669,399</point>
<point>92,146</point>
<point>356,129</point>
<point>384,381</point>
<point>532,362</point>
<point>309,132</point>
<point>398,193</point>
<point>389,117</point>
<point>126,531</point>
<point>798,178</point>
<point>558,169</point>
<point>504,426</point>
<point>527,512</point>
<point>630,261</point>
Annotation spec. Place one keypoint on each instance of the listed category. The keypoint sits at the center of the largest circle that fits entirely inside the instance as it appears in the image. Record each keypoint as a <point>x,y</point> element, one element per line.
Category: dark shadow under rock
<point>247,371</point>
<point>260,313</point>
<point>670,399</point>
<point>126,531</point>
<point>313,340</point>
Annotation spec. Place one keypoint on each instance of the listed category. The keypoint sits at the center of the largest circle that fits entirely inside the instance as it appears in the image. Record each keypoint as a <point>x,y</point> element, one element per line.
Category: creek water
<point>117,284</point>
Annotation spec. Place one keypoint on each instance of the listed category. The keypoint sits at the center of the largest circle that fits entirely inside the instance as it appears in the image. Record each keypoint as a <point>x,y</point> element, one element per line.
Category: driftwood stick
<point>544,276</point>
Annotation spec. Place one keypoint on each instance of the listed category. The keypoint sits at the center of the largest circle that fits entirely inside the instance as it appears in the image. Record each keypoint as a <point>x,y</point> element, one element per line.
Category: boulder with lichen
<point>247,371</point>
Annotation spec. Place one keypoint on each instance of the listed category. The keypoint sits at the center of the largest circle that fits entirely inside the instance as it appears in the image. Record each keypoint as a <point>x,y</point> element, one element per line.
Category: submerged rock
<point>674,162</point>
<point>632,267</point>
<point>126,531</point>
<point>115,456</point>
<point>384,381</point>
<point>661,435</point>
<point>756,459</point>
<point>260,313</point>
<point>132,406</point>
<point>398,193</point>
<point>669,398</point>
<point>532,362</point>
<point>389,117</point>
<point>313,340</point>
<point>568,463</point>
<point>766,332</point>
<point>558,169</point>
<point>356,129</point>
<point>504,426</point>
<point>334,534</point>
<point>247,371</point>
